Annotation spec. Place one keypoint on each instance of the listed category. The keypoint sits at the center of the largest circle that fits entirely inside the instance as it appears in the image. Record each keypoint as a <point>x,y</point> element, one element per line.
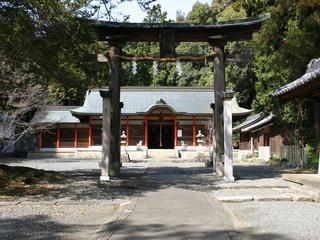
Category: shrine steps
<point>162,154</point>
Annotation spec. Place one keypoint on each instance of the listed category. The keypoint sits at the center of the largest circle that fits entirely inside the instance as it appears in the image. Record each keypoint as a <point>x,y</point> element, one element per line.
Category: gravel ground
<point>287,220</point>
<point>50,221</point>
<point>74,209</point>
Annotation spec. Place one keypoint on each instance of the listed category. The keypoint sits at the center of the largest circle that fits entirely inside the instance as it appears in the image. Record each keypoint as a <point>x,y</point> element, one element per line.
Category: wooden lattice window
<point>66,137</point>
<point>83,137</point>
<point>96,135</point>
<point>49,138</point>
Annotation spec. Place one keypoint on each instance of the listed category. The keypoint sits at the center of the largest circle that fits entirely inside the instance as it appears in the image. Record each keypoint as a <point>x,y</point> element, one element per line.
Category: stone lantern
<point>200,137</point>
<point>123,138</point>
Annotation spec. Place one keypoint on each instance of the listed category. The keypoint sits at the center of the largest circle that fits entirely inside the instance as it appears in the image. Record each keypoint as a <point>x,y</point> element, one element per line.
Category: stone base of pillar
<point>220,169</point>
<point>228,179</point>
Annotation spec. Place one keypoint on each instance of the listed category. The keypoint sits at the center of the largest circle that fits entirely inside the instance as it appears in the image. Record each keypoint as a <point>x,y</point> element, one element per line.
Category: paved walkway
<point>171,206</point>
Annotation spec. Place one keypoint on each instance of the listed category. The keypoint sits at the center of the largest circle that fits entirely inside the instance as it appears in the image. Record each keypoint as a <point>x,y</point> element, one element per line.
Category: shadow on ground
<point>182,231</point>
<point>35,228</point>
<point>84,185</point>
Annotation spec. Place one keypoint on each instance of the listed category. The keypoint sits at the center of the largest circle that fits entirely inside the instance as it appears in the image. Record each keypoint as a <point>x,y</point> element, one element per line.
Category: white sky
<point>170,6</point>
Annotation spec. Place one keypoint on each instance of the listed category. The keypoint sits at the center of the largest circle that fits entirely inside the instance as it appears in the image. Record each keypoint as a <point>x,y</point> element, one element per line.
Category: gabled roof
<point>259,124</point>
<point>185,100</point>
<point>311,79</point>
<point>249,121</point>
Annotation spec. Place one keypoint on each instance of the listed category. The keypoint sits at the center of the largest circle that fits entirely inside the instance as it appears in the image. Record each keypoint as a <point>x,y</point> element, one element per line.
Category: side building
<point>151,117</point>
<point>260,135</point>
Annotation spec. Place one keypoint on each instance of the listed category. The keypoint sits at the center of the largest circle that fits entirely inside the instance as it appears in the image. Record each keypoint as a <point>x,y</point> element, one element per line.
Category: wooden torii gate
<point>169,35</point>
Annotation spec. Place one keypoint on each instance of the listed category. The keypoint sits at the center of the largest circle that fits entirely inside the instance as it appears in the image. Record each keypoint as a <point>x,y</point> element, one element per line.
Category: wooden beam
<point>90,133</point>
<point>58,137</point>
<point>167,43</point>
<point>76,135</point>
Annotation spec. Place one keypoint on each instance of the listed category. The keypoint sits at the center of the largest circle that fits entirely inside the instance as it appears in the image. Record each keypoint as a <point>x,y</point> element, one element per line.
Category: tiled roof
<point>141,99</point>
<point>312,74</point>
<point>57,114</point>
<point>249,121</point>
<point>258,124</point>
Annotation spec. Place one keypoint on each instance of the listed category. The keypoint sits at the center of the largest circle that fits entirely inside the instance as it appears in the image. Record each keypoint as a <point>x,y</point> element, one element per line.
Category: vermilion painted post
<point>76,136</point>
<point>127,130</point>
<point>90,132</point>
<point>40,138</point>
<point>58,137</point>
<point>146,131</point>
<point>175,131</point>
<point>194,130</point>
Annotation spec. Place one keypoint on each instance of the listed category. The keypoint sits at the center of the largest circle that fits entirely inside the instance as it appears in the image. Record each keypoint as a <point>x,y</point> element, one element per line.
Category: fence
<point>293,153</point>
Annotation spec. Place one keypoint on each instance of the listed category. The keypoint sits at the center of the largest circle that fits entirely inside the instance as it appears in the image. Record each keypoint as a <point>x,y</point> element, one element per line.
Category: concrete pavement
<point>167,208</point>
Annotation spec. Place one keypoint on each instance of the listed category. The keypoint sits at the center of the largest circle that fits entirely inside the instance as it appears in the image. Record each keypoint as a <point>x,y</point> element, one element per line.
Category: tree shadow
<point>252,172</point>
<point>37,227</point>
<point>130,230</point>
<point>84,184</point>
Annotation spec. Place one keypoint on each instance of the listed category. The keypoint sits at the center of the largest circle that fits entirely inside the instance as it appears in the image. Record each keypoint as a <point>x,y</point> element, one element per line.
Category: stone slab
<point>235,199</point>
<point>311,180</point>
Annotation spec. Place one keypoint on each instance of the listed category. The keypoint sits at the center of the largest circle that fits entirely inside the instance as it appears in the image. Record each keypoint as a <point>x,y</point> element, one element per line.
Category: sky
<point>170,6</point>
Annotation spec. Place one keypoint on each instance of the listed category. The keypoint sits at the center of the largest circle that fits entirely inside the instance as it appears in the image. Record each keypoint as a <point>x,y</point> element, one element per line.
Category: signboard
<point>179,132</point>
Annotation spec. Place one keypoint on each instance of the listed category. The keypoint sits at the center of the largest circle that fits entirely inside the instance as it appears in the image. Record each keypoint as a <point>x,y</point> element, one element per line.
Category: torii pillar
<point>106,165</point>
<point>111,128</point>
<point>219,89</point>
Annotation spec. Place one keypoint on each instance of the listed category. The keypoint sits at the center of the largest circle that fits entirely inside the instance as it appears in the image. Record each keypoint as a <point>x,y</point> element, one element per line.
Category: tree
<point>21,97</point>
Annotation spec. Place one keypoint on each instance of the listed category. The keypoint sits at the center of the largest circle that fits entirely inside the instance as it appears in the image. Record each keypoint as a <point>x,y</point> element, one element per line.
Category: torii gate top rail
<point>237,30</point>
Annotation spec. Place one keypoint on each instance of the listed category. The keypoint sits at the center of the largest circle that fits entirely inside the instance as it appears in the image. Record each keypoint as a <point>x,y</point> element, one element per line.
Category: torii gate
<point>169,35</point>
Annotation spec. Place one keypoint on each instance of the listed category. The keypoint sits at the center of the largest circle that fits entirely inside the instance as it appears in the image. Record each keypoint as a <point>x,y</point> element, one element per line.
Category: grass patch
<point>22,181</point>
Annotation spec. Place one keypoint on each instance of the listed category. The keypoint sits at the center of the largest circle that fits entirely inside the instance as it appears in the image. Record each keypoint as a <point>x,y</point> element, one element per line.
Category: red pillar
<point>76,136</point>
<point>175,131</point>
<point>194,130</point>
<point>90,132</point>
<point>146,131</point>
<point>58,137</point>
<point>127,130</point>
<point>40,138</point>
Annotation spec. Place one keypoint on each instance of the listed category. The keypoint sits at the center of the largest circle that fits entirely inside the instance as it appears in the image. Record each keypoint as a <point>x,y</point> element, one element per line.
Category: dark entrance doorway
<point>160,135</point>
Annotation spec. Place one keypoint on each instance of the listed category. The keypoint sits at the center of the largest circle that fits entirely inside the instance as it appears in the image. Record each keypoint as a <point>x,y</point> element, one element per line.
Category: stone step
<point>162,153</point>
<point>280,197</point>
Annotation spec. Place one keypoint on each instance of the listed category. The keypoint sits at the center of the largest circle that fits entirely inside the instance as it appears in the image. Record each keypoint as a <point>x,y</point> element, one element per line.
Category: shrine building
<point>157,117</point>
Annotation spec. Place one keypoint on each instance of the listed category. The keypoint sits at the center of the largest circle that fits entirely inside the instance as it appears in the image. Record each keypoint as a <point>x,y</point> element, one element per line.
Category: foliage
<point>282,49</point>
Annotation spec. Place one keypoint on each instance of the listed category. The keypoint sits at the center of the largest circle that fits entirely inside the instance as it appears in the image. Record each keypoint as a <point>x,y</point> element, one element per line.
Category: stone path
<point>171,207</point>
